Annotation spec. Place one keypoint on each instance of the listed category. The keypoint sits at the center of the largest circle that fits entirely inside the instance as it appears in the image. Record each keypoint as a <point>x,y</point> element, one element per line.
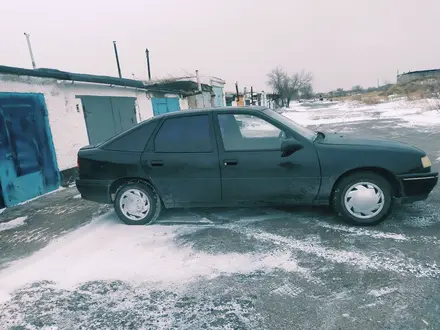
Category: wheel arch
<point>387,175</point>
<point>114,187</point>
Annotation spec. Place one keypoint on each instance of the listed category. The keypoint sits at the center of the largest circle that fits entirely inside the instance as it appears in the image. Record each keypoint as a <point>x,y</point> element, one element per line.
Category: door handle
<point>230,162</point>
<point>156,163</point>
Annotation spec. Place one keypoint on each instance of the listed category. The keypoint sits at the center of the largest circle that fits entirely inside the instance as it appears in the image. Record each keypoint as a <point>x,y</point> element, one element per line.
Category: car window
<point>184,134</point>
<point>133,140</point>
<point>249,132</point>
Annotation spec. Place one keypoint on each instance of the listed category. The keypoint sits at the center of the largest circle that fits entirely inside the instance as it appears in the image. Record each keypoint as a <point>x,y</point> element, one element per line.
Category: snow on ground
<point>18,222</point>
<point>109,250</point>
<point>414,113</point>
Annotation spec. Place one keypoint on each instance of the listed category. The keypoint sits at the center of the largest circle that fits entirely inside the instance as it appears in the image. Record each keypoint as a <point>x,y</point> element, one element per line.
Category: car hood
<point>339,139</point>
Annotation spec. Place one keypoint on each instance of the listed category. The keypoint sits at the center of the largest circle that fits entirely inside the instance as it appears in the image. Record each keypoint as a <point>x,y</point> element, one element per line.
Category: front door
<point>252,168</point>
<point>182,161</point>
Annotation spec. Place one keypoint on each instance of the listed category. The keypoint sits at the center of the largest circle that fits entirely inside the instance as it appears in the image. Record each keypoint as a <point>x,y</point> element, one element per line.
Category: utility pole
<point>147,52</point>
<point>28,40</point>
<point>236,89</point>
<point>117,59</point>
<point>252,95</point>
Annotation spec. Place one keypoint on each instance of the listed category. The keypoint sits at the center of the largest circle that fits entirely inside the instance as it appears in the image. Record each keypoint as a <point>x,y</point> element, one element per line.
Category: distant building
<point>199,92</point>
<point>418,75</point>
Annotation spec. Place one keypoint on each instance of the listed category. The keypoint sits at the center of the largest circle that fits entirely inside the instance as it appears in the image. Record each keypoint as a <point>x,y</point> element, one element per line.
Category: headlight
<point>426,162</point>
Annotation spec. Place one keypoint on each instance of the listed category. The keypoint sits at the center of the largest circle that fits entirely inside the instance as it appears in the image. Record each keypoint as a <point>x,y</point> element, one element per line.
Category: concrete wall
<point>66,117</point>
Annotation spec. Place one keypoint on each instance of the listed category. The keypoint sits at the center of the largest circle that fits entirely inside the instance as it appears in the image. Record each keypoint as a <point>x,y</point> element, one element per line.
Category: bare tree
<point>288,87</point>
<point>278,80</point>
<point>306,91</point>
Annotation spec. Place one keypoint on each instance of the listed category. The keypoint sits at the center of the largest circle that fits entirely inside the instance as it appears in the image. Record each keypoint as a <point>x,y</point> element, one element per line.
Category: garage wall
<point>65,112</point>
<point>198,101</point>
<point>184,104</point>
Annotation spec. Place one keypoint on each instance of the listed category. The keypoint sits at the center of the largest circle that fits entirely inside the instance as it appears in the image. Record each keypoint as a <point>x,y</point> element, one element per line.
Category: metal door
<point>218,96</point>
<point>98,115</point>
<point>124,112</point>
<point>27,162</point>
<point>107,116</point>
<point>165,105</point>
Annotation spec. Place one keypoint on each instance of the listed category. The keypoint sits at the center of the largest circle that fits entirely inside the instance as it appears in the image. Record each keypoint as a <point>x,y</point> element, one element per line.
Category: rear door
<point>252,168</point>
<point>182,160</point>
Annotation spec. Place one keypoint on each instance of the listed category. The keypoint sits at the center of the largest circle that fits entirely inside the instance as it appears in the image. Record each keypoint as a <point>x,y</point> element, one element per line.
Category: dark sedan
<point>249,156</point>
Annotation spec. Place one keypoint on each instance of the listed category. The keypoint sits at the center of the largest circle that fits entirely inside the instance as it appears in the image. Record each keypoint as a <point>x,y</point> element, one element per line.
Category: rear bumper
<point>417,187</point>
<point>94,190</point>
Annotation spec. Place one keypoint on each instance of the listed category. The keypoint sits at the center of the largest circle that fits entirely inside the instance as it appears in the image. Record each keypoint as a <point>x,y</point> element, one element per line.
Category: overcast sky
<point>342,42</point>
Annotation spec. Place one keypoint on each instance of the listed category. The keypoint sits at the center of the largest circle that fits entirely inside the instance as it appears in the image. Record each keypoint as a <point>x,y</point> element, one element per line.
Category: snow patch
<point>414,113</point>
<point>382,292</point>
<point>17,222</point>
<point>365,232</point>
<point>359,259</point>
<point>287,290</point>
<point>105,249</point>
<point>77,196</point>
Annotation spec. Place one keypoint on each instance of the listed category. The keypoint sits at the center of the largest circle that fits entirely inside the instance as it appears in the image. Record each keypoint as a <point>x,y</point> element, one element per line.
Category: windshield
<point>307,133</point>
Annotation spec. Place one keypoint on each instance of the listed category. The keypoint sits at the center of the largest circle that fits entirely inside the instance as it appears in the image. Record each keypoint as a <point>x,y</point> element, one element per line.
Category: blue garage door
<point>164,105</point>
<point>28,165</point>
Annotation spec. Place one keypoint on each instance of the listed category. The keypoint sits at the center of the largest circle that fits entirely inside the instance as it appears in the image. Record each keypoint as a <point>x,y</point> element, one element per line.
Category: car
<point>249,156</point>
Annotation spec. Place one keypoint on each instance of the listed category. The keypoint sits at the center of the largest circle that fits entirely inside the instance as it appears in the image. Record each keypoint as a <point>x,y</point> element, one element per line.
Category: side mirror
<point>290,146</point>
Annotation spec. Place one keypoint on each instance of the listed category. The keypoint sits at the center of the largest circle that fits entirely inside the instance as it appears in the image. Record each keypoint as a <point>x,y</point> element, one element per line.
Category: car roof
<point>207,110</point>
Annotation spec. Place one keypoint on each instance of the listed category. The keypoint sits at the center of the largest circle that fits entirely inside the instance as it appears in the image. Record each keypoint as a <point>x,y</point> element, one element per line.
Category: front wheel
<point>363,198</point>
<point>136,203</point>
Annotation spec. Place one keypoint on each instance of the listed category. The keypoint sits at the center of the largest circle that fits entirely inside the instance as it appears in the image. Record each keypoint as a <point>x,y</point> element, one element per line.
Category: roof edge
<point>81,77</point>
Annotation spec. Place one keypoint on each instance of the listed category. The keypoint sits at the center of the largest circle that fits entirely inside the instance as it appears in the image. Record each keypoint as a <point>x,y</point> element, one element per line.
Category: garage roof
<point>97,79</point>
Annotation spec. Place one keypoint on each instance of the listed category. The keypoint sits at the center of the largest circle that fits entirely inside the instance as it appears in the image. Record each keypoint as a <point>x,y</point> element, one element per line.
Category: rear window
<point>133,140</point>
<point>184,134</point>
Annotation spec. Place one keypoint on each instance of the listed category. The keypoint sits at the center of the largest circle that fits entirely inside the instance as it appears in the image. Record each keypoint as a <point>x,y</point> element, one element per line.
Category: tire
<point>377,197</point>
<point>144,202</point>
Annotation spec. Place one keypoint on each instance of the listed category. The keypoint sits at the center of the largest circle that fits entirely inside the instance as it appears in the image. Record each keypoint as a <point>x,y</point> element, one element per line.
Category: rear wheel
<point>136,203</point>
<point>363,198</point>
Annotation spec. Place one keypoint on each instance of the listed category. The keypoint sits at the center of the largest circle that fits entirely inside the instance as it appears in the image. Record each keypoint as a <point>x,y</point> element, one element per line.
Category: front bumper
<point>417,186</point>
<point>95,190</point>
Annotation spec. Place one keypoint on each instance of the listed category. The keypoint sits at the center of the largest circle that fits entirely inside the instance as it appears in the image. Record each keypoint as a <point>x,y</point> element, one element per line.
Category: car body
<point>238,156</point>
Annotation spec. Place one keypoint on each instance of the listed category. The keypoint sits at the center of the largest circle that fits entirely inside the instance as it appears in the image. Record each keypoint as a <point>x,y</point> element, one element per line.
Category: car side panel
<point>339,159</point>
<point>99,164</point>
<point>99,168</point>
